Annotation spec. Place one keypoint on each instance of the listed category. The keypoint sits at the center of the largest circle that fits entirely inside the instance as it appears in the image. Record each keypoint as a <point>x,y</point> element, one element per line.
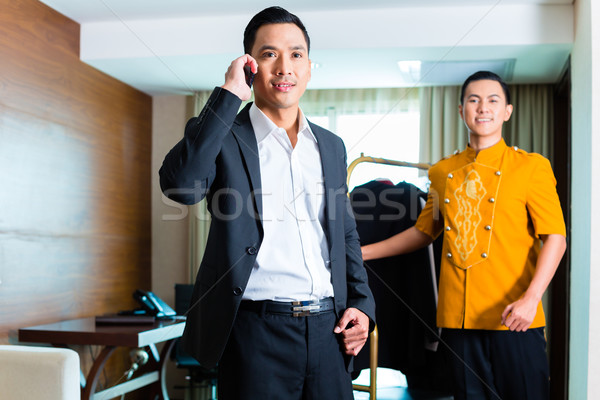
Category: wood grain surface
<point>75,176</point>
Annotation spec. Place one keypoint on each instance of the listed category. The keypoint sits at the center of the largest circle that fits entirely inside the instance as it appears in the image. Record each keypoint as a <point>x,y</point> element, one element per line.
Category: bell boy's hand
<point>519,315</point>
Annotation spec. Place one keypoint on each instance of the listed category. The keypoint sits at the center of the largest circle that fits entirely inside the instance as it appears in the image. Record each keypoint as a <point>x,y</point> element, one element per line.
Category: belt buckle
<point>305,308</point>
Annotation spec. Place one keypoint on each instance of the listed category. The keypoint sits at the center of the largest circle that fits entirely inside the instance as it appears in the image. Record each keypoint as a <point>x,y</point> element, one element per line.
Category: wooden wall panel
<point>75,148</point>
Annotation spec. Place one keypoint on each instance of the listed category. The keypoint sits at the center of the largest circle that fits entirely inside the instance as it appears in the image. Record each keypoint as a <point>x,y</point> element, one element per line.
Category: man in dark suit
<point>281,300</point>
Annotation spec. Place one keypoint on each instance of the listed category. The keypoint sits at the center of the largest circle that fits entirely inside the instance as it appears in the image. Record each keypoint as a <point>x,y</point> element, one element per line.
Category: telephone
<point>152,304</point>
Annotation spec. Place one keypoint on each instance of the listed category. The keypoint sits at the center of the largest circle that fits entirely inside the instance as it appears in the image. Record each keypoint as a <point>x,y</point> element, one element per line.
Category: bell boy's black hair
<point>485,75</point>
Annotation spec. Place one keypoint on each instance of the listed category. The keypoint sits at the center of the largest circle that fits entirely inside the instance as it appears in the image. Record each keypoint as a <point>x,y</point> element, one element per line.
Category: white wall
<point>584,360</point>
<point>170,225</point>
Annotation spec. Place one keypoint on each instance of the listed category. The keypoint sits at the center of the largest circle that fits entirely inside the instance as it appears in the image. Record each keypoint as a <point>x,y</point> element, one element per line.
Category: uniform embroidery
<point>468,195</point>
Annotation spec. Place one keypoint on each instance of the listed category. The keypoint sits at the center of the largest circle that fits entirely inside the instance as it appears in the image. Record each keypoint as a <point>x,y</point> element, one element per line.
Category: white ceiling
<point>178,46</point>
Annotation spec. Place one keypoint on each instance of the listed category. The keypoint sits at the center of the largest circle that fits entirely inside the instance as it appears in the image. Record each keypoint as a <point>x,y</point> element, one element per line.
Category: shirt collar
<point>489,155</point>
<point>263,126</point>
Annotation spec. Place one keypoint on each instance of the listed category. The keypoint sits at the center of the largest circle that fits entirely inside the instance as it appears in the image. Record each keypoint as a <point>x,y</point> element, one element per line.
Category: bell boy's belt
<point>291,308</point>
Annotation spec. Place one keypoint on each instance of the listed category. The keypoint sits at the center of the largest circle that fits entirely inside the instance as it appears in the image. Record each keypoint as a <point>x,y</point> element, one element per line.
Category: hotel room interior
<point>94,93</point>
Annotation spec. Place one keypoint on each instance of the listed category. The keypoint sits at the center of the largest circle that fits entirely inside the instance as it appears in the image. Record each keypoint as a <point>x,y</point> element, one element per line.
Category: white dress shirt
<point>293,261</point>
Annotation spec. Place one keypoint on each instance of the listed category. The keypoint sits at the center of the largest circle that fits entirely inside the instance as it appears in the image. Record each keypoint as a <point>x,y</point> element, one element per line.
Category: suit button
<point>251,250</point>
<point>237,291</point>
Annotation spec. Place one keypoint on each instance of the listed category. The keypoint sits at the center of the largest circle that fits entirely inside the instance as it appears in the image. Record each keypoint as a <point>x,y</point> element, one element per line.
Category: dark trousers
<point>273,356</point>
<point>498,364</point>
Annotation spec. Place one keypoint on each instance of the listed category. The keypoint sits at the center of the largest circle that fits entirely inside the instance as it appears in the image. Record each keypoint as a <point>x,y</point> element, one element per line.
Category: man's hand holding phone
<point>239,76</point>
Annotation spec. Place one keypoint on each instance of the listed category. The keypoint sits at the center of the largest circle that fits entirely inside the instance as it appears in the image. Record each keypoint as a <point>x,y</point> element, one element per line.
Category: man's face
<point>283,66</point>
<point>484,108</point>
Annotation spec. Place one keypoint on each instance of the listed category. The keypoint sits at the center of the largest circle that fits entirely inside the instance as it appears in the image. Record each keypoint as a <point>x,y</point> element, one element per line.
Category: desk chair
<point>198,376</point>
<point>48,373</point>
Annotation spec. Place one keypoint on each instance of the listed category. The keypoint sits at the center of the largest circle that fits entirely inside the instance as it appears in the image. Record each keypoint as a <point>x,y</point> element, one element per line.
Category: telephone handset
<point>153,305</point>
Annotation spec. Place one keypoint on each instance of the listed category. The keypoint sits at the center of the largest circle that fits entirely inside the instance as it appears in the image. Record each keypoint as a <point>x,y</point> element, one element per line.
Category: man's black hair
<point>485,75</point>
<point>271,15</point>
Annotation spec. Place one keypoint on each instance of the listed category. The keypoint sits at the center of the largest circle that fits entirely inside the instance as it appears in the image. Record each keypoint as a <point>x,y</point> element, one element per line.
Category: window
<point>394,136</point>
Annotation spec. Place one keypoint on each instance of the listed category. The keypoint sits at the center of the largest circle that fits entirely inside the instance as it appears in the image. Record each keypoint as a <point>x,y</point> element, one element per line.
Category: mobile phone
<point>249,75</point>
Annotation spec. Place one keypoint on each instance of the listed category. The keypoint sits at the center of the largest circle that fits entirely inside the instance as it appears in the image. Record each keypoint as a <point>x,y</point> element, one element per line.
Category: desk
<point>85,332</point>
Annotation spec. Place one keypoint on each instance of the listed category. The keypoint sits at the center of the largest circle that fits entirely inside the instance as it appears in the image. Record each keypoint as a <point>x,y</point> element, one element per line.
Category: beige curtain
<point>443,131</point>
<point>531,124</point>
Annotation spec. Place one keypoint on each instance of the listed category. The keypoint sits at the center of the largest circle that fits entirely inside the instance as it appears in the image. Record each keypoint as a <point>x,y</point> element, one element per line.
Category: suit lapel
<point>328,155</point>
<point>328,162</point>
<point>244,134</point>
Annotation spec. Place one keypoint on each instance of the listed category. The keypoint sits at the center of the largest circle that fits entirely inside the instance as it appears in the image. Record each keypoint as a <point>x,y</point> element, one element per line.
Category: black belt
<point>292,308</point>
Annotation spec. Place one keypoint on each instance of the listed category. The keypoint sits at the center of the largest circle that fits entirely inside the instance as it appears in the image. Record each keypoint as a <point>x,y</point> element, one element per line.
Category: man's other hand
<point>354,330</point>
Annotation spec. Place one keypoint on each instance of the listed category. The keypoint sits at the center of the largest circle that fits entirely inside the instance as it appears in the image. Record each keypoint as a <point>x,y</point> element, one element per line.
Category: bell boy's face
<point>283,66</point>
<point>484,108</point>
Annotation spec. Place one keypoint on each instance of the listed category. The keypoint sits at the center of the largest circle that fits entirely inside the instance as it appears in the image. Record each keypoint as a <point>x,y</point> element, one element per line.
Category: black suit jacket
<point>218,158</point>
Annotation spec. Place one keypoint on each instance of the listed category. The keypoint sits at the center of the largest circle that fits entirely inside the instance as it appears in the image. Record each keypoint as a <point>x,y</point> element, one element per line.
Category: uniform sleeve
<point>431,220</point>
<point>543,204</point>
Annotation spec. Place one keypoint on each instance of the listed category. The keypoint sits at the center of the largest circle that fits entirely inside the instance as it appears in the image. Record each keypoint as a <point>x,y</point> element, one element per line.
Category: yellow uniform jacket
<point>491,207</point>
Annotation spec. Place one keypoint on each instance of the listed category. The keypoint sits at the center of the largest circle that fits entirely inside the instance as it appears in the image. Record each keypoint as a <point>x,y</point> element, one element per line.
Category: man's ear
<point>460,112</point>
<point>309,69</point>
<point>508,112</point>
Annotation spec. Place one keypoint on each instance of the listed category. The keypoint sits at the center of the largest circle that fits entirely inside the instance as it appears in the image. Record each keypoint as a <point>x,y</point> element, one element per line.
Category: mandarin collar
<point>487,156</point>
